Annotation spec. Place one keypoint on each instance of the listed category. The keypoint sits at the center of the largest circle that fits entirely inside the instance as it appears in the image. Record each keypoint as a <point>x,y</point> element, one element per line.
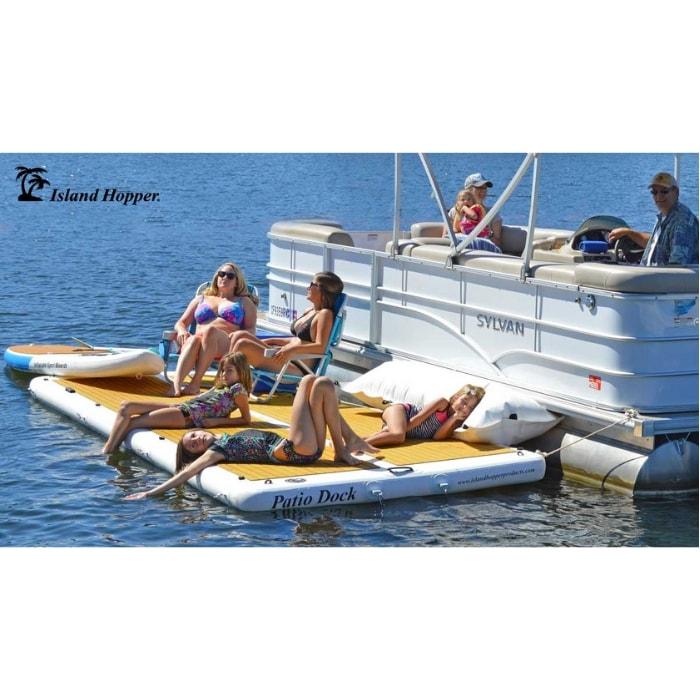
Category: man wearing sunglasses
<point>674,240</point>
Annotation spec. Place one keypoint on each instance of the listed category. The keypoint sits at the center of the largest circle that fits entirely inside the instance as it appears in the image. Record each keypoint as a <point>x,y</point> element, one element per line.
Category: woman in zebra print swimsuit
<point>436,421</point>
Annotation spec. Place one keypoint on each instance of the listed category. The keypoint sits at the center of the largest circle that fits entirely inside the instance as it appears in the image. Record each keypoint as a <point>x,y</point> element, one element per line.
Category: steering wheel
<point>627,251</point>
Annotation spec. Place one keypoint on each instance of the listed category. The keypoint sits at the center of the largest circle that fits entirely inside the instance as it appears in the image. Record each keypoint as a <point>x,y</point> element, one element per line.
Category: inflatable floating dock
<point>416,468</point>
<point>76,361</point>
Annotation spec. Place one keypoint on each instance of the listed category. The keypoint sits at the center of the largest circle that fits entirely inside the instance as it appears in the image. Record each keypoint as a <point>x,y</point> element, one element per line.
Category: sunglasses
<point>230,275</point>
<point>663,190</point>
<point>314,284</point>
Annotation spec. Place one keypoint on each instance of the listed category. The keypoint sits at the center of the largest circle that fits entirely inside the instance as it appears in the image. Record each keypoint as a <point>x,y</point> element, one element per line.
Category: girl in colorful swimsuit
<point>310,332</point>
<point>314,410</point>
<point>225,306</point>
<point>232,386</point>
<point>435,421</point>
<point>470,214</point>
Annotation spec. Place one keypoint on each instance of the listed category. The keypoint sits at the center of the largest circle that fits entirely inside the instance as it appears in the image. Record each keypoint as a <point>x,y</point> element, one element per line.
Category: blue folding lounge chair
<point>271,382</point>
<point>168,349</point>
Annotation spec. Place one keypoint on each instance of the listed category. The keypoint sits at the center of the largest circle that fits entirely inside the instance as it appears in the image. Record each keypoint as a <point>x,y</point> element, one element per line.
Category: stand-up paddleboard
<point>73,361</point>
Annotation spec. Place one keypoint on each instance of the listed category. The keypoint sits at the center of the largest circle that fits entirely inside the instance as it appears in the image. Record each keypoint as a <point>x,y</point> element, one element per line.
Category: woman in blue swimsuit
<point>310,332</point>
<point>224,307</point>
<point>314,410</point>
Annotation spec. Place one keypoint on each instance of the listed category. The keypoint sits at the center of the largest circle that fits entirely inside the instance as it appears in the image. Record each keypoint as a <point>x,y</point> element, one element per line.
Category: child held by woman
<point>468,213</point>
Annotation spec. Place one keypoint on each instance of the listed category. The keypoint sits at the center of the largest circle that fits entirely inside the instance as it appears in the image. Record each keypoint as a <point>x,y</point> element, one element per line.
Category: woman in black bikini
<point>310,332</point>
<point>315,408</point>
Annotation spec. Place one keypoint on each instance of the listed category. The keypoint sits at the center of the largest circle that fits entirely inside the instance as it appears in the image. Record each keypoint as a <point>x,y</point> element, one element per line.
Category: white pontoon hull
<point>589,340</point>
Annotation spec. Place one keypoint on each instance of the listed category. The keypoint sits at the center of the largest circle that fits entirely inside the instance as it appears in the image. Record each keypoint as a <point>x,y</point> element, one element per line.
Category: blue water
<point>115,274</point>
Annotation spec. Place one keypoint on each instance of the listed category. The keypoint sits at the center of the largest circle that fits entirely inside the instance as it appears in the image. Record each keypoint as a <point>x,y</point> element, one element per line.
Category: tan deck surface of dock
<point>110,392</point>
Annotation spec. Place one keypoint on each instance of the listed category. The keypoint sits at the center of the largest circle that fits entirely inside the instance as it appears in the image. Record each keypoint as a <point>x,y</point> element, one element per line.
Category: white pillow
<point>503,417</point>
<point>404,381</point>
<point>506,417</point>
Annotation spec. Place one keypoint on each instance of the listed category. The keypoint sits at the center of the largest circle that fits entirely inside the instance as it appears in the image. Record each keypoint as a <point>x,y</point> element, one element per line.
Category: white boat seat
<point>557,256</point>
<point>564,273</point>
<point>638,279</point>
<point>513,240</point>
<point>635,279</point>
<point>617,278</point>
<point>550,262</point>
<point>441,252</point>
<point>512,237</point>
<point>312,232</point>
<point>427,229</point>
<point>407,245</point>
<point>492,262</point>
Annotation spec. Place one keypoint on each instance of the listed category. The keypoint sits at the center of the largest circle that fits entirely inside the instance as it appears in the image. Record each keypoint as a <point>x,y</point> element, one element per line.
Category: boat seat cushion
<point>617,278</point>
<point>513,240</point>
<point>427,229</point>
<point>406,245</point>
<point>312,232</point>
<point>481,259</point>
<point>635,279</point>
<point>559,256</point>
<point>638,279</point>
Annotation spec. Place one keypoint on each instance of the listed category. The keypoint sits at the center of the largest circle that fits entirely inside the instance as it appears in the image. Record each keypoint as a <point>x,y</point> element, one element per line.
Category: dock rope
<point>630,413</point>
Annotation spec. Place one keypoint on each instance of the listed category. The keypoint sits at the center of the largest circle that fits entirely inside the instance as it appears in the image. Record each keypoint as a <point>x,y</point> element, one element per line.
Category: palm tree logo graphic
<point>31,180</point>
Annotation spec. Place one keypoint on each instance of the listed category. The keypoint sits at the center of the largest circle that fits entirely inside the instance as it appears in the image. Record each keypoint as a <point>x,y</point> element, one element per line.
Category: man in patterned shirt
<point>674,240</point>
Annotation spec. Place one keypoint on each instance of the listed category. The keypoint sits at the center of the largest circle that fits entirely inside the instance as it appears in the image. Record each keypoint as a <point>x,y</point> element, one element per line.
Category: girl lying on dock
<point>436,421</point>
<point>315,408</point>
<point>232,385</point>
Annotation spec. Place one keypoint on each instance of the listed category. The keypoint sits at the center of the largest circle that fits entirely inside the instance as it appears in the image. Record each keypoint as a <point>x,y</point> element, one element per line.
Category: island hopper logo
<point>32,179</point>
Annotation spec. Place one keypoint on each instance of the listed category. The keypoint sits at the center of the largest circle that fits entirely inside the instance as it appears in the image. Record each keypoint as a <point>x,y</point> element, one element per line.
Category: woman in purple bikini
<point>225,307</point>
<point>314,410</point>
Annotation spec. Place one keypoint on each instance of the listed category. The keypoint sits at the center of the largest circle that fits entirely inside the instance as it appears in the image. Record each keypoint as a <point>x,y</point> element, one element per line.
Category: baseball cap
<point>663,180</point>
<point>477,180</point>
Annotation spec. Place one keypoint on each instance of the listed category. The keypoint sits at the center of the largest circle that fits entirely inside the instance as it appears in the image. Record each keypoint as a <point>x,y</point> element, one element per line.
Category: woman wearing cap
<point>478,185</point>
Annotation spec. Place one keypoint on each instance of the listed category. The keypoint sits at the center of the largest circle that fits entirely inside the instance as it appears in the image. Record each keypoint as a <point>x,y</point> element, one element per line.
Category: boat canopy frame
<point>458,246</point>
